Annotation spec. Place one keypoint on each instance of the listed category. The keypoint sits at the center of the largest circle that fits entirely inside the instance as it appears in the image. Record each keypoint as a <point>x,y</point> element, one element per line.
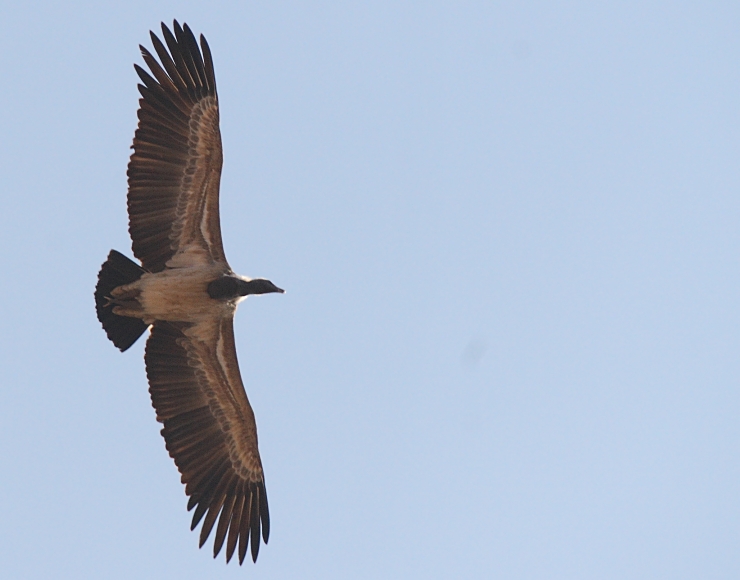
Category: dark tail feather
<point>123,331</point>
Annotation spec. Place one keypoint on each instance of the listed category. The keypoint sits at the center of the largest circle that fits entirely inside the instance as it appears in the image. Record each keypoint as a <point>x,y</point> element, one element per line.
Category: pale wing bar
<point>174,172</point>
<point>199,437</point>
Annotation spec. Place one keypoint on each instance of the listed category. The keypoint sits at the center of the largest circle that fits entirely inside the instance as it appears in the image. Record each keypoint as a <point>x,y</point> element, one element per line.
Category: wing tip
<point>241,522</point>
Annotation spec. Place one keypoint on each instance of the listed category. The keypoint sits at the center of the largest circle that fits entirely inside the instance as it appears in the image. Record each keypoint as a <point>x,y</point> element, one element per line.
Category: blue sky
<point>509,238</point>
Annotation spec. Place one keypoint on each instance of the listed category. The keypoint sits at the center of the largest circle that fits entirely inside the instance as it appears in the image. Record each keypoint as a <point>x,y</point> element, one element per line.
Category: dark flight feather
<point>123,331</point>
<point>180,376</point>
<point>177,151</point>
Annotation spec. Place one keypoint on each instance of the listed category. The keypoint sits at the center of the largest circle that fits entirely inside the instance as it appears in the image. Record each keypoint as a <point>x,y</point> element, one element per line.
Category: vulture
<point>186,293</point>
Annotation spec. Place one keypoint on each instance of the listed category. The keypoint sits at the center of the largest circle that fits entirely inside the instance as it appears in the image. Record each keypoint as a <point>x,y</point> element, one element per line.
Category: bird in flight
<point>186,292</point>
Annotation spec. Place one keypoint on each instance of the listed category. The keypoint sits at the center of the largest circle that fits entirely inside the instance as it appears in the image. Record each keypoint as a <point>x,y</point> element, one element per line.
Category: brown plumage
<point>175,171</point>
<point>186,291</point>
<point>209,430</point>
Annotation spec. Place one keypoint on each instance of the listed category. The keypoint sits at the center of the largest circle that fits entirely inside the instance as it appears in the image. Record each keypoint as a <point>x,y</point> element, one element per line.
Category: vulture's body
<point>187,293</point>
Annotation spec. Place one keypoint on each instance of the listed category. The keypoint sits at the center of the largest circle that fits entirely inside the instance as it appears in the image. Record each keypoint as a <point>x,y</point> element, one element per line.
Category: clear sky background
<point>509,237</point>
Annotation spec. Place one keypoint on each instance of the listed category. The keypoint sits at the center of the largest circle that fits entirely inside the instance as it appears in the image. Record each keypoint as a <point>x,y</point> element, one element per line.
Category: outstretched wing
<point>175,170</point>
<point>209,430</point>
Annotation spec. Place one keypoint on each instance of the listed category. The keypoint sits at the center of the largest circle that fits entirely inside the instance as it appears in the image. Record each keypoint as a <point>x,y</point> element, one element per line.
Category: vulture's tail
<point>123,331</point>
